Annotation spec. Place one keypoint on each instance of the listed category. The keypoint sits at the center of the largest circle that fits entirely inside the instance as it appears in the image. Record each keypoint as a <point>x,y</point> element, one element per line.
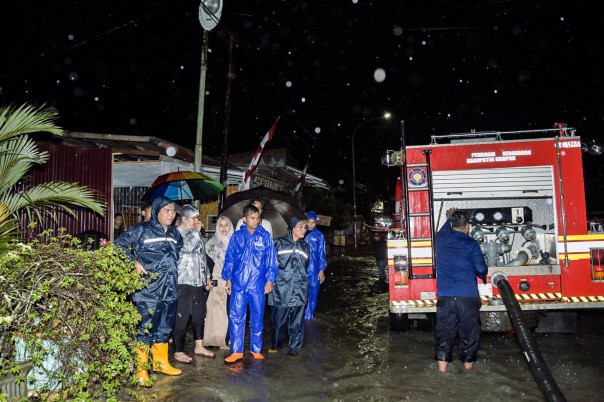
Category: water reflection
<point>350,354</point>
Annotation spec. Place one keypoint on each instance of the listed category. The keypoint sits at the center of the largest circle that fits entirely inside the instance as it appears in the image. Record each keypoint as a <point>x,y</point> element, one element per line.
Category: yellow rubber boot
<point>160,360</point>
<point>142,363</point>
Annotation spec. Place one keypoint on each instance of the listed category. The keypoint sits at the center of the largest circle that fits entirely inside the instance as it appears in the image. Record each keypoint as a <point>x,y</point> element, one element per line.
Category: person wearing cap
<point>290,291</point>
<point>193,286</point>
<point>317,264</point>
<point>250,269</point>
<point>155,247</point>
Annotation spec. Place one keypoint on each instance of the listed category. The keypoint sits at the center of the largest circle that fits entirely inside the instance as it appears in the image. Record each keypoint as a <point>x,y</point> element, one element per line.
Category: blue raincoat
<point>250,262</point>
<point>158,251</point>
<point>318,262</point>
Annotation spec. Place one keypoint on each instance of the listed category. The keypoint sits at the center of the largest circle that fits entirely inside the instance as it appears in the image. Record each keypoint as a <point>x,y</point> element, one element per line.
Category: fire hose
<point>537,365</point>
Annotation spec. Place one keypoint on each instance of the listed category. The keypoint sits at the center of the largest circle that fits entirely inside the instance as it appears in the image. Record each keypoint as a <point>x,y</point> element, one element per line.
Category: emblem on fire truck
<point>417,177</point>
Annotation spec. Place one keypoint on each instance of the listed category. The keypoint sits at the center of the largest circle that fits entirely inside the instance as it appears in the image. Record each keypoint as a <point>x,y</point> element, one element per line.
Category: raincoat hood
<point>292,224</point>
<point>158,204</point>
<point>294,221</point>
<point>311,215</point>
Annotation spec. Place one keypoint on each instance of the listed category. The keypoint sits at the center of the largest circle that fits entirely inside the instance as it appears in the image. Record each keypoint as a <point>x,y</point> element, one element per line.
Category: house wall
<point>84,166</point>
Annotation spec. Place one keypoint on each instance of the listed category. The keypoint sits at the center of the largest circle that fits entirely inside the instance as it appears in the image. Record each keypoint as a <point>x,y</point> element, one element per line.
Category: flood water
<point>351,354</point>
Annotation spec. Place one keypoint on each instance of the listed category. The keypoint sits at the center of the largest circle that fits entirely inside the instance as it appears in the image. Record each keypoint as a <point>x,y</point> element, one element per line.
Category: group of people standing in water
<point>214,283</point>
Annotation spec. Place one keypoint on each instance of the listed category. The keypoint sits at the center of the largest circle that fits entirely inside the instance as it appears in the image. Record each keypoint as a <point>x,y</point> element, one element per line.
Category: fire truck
<point>525,195</point>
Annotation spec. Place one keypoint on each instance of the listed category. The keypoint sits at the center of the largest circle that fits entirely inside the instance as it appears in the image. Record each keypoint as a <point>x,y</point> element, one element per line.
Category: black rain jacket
<point>291,287</point>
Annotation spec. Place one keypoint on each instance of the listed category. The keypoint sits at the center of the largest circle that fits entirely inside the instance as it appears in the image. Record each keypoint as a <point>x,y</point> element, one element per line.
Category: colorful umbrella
<point>184,185</point>
<point>279,207</point>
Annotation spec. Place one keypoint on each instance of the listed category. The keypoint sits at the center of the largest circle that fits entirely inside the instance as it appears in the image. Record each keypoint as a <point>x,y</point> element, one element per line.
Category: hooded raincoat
<point>157,249</point>
<point>290,292</point>
<point>250,262</point>
<point>318,262</point>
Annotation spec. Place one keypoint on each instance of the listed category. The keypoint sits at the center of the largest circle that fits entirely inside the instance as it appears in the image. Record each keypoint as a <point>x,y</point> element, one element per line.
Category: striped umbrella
<point>185,185</point>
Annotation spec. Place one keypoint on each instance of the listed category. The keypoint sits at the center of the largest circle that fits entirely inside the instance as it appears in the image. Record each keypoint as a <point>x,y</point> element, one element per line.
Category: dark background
<point>132,67</point>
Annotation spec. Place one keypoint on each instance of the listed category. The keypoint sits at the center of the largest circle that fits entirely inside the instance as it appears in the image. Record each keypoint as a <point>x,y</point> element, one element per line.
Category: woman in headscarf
<point>217,320</point>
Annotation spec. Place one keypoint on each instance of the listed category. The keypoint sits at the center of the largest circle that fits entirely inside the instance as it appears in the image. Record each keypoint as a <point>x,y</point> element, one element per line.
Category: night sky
<point>133,67</point>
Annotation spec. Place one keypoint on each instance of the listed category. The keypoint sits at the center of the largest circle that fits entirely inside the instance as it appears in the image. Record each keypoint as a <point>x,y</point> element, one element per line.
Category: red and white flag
<point>302,178</point>
<point>248,175</point>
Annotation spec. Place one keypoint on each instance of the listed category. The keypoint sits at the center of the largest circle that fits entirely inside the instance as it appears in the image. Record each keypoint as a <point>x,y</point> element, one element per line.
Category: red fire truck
<point>525,195</point>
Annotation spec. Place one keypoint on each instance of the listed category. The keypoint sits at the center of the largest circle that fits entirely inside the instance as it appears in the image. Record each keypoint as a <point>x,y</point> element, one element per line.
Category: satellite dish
<point>397,158</point>
<point>210,12</point>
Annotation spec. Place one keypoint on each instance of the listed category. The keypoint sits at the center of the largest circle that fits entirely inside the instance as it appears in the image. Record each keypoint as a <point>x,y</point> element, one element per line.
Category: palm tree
<point>18,153</point>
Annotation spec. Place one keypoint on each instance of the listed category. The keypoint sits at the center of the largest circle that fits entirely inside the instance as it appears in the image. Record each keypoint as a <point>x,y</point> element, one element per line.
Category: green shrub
<point>56,290</point>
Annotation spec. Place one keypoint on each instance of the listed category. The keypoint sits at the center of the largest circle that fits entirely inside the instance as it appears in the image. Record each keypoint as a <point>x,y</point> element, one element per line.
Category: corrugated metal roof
<point>89,167</point>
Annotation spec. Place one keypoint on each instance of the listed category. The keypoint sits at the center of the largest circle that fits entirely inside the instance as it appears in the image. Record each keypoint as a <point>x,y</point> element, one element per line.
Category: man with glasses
<point>193,286</point>
<point>154,246</point>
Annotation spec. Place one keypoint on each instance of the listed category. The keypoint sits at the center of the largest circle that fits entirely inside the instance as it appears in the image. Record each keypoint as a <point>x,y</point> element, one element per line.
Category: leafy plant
<point>18,154</point>
<point>56,292</point>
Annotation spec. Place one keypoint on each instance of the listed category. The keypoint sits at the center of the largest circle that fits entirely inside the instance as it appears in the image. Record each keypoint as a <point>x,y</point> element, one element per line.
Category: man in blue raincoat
<point>250,268</point>
<point>317,264</point>
<point>155,245</point>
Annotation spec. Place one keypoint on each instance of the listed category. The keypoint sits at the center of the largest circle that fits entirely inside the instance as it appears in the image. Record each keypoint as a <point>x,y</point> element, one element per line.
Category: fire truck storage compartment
<point>516,199</point>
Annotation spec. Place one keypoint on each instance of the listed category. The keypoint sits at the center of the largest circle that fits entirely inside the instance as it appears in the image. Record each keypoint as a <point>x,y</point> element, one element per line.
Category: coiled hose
<point>541,373</point>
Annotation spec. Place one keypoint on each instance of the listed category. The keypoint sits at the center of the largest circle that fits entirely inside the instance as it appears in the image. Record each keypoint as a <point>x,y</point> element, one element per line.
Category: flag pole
<point>256,157</point>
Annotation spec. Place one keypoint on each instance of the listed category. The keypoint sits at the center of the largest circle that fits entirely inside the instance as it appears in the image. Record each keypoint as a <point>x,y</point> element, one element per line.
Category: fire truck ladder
<point>418,215</point>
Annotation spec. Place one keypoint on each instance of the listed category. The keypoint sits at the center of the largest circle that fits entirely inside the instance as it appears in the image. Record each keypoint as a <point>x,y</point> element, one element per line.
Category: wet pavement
<point>351,354</point>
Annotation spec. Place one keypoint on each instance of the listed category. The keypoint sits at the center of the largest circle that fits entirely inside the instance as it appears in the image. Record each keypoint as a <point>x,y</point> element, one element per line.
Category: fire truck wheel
<point>399,322</point>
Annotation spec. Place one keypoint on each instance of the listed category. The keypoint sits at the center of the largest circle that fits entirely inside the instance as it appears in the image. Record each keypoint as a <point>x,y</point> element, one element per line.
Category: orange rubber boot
<point>258,356</point>
<point>233,357</point>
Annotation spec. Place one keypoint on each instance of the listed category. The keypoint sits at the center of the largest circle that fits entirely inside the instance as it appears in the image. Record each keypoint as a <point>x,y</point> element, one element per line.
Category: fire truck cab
<point>524,193</point>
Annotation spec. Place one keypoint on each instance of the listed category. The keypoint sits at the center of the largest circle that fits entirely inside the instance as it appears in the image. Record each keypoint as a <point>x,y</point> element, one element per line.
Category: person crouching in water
<point>250,268</point>
<point>290,291</point>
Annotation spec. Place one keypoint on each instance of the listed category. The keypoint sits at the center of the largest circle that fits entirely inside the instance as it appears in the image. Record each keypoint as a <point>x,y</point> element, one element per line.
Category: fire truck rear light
<point>597,263</point>
<point>401,271</point>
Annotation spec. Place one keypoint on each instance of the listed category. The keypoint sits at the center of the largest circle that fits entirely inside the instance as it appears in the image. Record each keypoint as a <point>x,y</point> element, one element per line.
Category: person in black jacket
<point>155,246</point>
<point>380,252</point>
<point>290,291</point>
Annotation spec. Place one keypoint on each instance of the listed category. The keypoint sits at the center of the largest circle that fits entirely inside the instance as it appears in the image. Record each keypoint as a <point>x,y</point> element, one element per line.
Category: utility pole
<point>201,101</point>
<point>227,114</point>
